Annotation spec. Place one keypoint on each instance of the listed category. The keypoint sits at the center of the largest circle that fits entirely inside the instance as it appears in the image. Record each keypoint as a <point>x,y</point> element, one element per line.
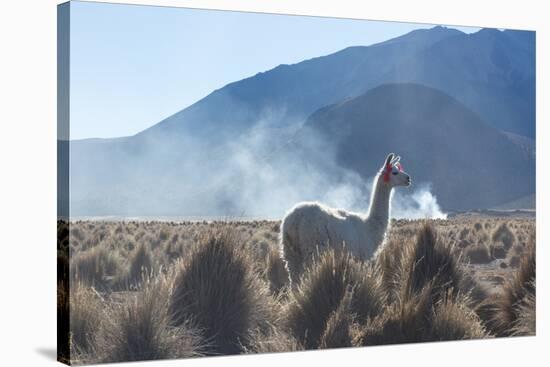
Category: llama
<point>310,225</point>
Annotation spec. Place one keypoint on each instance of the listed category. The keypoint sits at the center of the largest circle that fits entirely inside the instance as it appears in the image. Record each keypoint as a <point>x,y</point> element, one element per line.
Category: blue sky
<point>132,66</point>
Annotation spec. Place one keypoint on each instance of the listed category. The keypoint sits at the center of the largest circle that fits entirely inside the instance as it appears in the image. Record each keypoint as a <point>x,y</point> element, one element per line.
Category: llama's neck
<point>379,210</point>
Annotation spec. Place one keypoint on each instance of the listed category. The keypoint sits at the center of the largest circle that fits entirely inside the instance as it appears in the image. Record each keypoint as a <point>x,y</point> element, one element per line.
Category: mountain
<point>525,203</point>
<point>490,73</point>
<point>525,143</point>
<point>469,163</point>
<point>287,94</point>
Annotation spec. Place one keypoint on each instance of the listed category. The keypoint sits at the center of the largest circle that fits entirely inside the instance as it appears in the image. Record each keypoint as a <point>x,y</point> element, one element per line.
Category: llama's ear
<point>389,159</point>
<point>395,159</point>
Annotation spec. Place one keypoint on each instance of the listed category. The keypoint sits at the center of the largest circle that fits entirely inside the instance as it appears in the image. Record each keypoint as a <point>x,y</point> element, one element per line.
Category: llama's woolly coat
<point>311,226</point>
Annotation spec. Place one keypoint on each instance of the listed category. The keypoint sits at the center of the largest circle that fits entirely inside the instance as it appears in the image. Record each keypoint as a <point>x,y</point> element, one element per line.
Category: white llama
<point>310,225</point>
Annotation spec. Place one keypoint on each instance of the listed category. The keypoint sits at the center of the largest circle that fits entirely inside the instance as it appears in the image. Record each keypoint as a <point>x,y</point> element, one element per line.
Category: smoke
<point>260,174</point>
<point>264,178</point>
<point>419,204</point>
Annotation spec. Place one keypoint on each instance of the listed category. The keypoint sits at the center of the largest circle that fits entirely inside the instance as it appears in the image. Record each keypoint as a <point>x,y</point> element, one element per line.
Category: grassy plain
<point>142,290</point>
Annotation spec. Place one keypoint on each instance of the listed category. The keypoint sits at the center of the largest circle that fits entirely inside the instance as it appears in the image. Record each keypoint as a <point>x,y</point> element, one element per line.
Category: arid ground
<point>150,290</point>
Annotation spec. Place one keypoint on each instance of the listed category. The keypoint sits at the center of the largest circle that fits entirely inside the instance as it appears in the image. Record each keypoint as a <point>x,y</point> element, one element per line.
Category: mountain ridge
<point>265,88</point>
<point>150,168</point>
<point>400,117</point>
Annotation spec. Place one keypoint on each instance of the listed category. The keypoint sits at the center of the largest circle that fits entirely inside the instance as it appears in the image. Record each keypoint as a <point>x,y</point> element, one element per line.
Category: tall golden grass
<point>154,290</point>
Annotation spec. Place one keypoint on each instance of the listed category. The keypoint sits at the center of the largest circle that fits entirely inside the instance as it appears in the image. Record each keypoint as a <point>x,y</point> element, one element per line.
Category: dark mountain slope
<point>469,163</point>
<point>491,72</point>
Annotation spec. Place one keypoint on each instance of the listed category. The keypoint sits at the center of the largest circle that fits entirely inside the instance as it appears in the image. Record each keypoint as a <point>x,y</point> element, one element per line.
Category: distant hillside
<point>491,72</point>
<point>181,165</point>
<point>525,143</point>
<point>526,202</point>
<point>469,163</point>
<point>287,94</point>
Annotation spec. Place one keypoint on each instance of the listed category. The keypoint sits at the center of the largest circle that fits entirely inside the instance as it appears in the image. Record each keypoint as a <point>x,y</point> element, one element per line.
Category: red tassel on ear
<point>387,173</point>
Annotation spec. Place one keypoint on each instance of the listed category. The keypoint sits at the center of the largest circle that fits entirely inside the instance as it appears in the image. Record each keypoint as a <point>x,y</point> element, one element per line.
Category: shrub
<point>141,263</point>
<point>139,329</point>
<point>272,340</point>
<point>406,269</point>
<point>86,313</point>
<point>163,234</point>
<point>504,313</point>
<point>479,254</point>
<point>173,250</point>
<point>337,333</point>
<point>454,320</point>
<point>321,290</point>
<point>276,272</point>
<point>95,267</point>
<point>404,321</point>
<point>217,288</point>
<point>388,268</point>
<point>515,261</point>
<point>416,318</point>
<point>504,234</point>
<point>498,252</point>
<point>526,323</point>
<point>463,233</point>
<point>368,297</point>
<point>428,261</point>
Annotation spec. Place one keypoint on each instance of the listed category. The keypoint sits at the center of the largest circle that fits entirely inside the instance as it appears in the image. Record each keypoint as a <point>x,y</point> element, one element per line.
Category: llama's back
<point>294,241</point>
<point>311,225</point>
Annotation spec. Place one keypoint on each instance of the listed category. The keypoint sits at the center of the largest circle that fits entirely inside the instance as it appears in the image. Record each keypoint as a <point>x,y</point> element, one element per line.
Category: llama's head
<point>392,172</point>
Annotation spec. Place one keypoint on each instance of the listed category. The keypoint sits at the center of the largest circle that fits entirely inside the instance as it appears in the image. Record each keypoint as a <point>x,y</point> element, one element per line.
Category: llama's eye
<point>394,172</point>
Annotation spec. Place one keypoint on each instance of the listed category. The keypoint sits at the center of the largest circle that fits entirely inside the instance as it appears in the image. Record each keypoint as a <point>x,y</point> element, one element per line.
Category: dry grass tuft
<point>405,269</point>
<point>338,333</point>
<point>219,291</point>
<point>428,260</point>
<point>498,252</point>
<point>276,272</point>
<point>273,340</point>
<point>404,321</point>
<point>454,320</point>
<point>86,314</point>
<point>140,329</point>
<point>141,262</point>
<point>417,319</point>
<point>320,293</point>
<point>95,267</point>
<point>140,266</point>
<point>505,235</point>
<point>504,313</point>
<point>526,322</point>
<point>479,254</point>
